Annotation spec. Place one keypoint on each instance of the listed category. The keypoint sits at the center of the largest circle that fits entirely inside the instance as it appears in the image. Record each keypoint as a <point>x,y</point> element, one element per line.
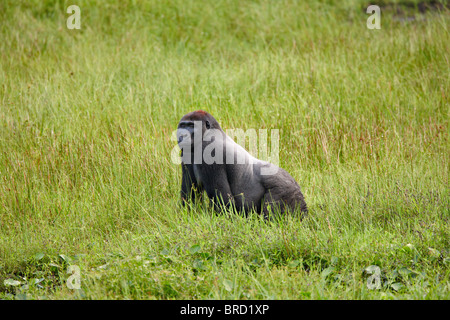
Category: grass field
<point>86,118</point>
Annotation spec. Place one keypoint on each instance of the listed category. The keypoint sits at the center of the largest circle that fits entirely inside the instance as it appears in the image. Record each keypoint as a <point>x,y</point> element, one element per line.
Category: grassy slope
<point>85,123</point>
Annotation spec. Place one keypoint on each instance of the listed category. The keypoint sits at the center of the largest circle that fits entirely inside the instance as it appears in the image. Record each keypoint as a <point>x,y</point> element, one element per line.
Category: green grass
<point>86,118</point>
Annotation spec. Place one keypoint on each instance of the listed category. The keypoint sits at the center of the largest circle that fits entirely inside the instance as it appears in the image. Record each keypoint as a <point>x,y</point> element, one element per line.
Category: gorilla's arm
<point>188,184</point>
<point>215,182</point>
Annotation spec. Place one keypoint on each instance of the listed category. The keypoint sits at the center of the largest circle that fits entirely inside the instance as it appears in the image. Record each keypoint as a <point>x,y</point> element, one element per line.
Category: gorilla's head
<point>192,123</point>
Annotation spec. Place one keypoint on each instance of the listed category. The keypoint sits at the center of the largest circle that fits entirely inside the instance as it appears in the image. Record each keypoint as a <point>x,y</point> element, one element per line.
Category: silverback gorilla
<point>212,162</point>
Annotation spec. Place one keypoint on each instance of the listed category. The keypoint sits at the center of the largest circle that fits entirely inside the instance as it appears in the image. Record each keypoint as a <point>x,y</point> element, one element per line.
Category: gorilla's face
<point>186,132</point>
<point>193,126</point>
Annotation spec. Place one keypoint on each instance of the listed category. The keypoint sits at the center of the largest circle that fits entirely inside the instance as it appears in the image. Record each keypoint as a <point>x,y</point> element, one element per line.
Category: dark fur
<point>239,185</point>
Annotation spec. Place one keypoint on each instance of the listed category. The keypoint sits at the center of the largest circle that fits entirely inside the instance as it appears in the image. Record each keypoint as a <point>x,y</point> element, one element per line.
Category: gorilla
<point>212,162</point>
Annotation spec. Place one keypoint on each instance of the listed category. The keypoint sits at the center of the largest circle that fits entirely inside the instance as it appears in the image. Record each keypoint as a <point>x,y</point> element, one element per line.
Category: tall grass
<point>86,118</point>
